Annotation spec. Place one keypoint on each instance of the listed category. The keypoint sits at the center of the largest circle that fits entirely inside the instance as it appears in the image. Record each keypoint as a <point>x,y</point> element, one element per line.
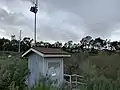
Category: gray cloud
<point>11,23</point>
<point>99,15</point>
<point>62,19</point>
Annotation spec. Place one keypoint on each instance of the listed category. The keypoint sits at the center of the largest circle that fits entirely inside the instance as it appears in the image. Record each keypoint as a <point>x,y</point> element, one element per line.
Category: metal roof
<point>47,52</point>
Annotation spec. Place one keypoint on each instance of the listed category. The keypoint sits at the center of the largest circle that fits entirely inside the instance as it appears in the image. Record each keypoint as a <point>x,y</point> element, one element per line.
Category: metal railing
<point>74,79</point>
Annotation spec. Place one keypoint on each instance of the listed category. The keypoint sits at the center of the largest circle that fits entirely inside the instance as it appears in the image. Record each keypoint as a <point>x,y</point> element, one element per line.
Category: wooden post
<point>76,81</point>
<point>70,81</point>
<point>19,42</point>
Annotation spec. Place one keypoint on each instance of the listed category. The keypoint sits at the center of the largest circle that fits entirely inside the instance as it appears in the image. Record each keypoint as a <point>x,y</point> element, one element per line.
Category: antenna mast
<point>34,9</point>
<point>19,42</point>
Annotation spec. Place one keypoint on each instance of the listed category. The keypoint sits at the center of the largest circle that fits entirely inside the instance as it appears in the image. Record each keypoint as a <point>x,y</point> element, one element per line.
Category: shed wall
<point>35,66</point>
<point>46,60</point>
<point>39,65</point>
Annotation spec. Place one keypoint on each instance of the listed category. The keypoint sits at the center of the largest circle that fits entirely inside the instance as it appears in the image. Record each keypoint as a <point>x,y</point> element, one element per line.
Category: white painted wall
<point>39,65</point>
<point>35,65</point>
<point>61,74</point>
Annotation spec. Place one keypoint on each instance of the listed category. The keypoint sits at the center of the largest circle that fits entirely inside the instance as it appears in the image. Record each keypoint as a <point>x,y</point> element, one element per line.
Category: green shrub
<point>98,82</point>
<point>102,83</point>
<point>13,72</point>
<point>46,84</point>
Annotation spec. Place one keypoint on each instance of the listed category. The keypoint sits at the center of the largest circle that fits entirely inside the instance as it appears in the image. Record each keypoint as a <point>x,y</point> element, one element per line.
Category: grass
<point>105,64</point>
<point>12,70</point>
<point>101,71</point>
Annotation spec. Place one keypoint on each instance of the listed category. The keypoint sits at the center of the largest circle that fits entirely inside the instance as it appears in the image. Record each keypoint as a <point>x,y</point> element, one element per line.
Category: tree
<point>68,46</point>
<point>57,44</point>
<point>115,45</point>
<point>26,43</point>
<point>40,44</point>
<point>99,43</point>
<point>70,43</point>
<point>4,43</point>
<point>85,42</point>
<point>47,44</point>
<point>64,47</point>
<point>14,45</point>
<point>12,37</point>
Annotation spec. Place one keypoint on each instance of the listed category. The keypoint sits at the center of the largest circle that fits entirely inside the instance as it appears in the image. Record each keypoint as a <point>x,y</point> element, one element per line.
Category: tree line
<point>86,43</point>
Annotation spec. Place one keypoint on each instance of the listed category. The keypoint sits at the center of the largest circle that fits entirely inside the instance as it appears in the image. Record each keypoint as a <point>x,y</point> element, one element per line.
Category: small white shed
<point>45,61</point>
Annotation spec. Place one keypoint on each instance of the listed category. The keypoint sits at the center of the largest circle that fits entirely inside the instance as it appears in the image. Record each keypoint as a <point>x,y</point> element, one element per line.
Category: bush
<point>102,83</point>
<point>13,72</point>
<point>46,84</point>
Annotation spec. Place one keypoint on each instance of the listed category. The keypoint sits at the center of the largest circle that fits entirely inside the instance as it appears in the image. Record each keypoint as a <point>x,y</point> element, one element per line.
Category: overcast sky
<point>61,20</point>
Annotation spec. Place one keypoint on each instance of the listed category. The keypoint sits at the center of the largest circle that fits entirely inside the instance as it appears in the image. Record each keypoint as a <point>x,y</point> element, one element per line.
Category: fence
<point>74,80</point>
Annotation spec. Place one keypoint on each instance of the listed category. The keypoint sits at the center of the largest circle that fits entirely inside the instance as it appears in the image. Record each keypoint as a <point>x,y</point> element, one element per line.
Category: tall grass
<point>102,83</point>
<point>98,82</point>
<point>13,72</point>
<point>46,84</point>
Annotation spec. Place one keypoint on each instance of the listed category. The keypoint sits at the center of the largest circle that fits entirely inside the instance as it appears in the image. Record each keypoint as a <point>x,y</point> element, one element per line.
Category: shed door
<point>54,71</point>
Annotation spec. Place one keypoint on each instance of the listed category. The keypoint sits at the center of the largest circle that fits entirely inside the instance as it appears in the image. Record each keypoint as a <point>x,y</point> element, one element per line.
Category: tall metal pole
<point>35,25</point>
<point>34,9</point>
<point>19,41</point>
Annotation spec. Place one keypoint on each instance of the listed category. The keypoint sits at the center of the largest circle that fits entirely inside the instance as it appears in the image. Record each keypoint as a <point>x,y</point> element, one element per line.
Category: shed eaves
<point>47,52</point>
<point>51,51</point>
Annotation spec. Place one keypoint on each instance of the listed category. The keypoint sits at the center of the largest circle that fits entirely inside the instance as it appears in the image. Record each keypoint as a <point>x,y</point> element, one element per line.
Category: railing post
<point>76,81</point>
<point>70,80</point>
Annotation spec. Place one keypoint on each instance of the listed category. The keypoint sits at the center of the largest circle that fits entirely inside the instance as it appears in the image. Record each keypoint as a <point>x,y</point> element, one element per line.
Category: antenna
<point>19,42</point>
<point>34,9</point>
<point>34,1</point>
